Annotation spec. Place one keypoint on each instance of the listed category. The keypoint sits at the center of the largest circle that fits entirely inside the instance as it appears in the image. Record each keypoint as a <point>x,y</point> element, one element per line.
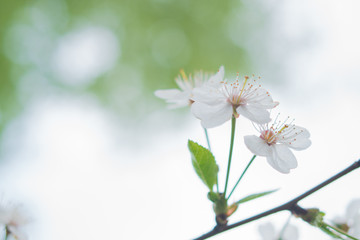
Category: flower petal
<point>302,132</point>
<point>261,99</point>
<point>299,144</point>
<point>355,227</point>
<point>295,137</point>
<point>295,131</point>
<point>267,231</point>
<point>174,97</point>
<point>257,146</point>
<point>212,115</point>
<point>168,93</point>
<point>208,95</point>
<point>255,114</point>
<point>291,233</point>
<point>217,78</point>
<point>282,158</point>
<point>353,209</point>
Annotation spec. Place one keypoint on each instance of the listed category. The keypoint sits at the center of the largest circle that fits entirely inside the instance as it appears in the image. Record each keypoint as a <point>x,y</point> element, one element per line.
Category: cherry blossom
<point>183,96</point>
<point>216,103</point>
<point>274,143</point>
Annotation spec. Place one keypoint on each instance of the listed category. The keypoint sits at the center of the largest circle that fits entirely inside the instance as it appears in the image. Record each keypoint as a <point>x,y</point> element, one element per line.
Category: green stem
<point>252,159</point>
<point>284,227</point>
<point>207,139</point>
<point>6,233</point>
<point>339,231</point>
<point>209,147</point>
<point>233,124</point>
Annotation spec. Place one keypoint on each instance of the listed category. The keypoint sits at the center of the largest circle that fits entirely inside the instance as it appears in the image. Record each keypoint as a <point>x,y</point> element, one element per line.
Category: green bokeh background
<point>157,38</point>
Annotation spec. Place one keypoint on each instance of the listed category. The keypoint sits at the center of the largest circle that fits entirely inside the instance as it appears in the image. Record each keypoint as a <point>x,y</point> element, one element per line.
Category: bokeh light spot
<point>85,54</point>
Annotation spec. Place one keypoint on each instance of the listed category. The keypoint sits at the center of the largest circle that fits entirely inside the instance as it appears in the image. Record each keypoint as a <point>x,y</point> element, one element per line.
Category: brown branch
<point>291,206</point>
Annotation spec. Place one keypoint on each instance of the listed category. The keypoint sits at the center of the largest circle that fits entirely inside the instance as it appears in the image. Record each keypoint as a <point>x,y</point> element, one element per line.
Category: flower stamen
<point>183,75</point>
<point>243,87</point>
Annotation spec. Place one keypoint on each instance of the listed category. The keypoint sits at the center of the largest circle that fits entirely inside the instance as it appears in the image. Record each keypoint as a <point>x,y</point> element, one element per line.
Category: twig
<point>291,206</point>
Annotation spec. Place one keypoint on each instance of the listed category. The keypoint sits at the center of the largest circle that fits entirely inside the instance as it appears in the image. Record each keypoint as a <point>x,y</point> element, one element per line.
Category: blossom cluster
<point>215,100</point>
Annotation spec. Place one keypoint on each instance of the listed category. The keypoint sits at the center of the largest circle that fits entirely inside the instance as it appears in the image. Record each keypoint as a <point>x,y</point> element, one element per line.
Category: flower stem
<point>6,233</point>
<point>209,147</point>
<point>207,139</point>
<point>252,159</point>
<point>284,227</point>
<point>339,231</point>
<point>233,124</point>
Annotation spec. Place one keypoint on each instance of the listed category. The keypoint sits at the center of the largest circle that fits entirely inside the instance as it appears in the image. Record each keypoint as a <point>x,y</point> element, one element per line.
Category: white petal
<point>299,144</point>
<point>174,97</point>
<point>287,158</point>
<point>212,115</point>
<point>353,209</point>
<point>262,99</point>
<point>273,161</point>
<point>282,159</point>
<point>267,231</point>
<point>5,215</point>
<point>296,138</point>
<point>217,78</point>
<point>257,146</point>
<point>257,115</point>
<point>291,233</point>
<point>168,93</point>
<point>302,132</point>
<point>208,95</point>
<point>355,227</point>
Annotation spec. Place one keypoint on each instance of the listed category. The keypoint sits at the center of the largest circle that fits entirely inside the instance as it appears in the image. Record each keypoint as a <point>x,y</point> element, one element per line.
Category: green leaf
<point>254,196</point>
<point>204,164</point>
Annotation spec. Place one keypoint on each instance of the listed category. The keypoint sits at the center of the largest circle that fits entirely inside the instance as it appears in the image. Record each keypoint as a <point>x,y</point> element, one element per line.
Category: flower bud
<point>313,216</point>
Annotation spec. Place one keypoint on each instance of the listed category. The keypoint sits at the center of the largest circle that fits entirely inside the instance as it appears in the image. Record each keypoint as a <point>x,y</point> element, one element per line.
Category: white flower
<point>350,223</point>
<point>267,232</point>
<point>217,103</point>
<point>182,97</point>
<point>274,143</point>
<point>14,219</point>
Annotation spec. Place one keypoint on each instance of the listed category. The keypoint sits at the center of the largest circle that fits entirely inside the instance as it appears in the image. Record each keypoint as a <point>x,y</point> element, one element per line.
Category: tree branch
<point>291,206</point>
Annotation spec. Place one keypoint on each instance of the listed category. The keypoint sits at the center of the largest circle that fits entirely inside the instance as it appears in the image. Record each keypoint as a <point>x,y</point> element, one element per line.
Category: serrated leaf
<point>204,164</point>
<point>254,196</point>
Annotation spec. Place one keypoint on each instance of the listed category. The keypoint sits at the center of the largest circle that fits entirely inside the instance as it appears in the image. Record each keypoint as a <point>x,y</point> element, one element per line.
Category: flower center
<point>270,135</point>
<point>235,93</point>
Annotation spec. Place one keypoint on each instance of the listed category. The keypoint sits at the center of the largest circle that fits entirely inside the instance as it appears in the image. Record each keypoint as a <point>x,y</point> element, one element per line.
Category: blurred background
<point>91,153</point>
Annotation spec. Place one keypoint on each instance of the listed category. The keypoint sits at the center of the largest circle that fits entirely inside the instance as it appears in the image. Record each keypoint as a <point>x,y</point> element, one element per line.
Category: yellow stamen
<point>183,75</point>
<point>243,87</point>
<point>283,128</point>
<point>272,137</point>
